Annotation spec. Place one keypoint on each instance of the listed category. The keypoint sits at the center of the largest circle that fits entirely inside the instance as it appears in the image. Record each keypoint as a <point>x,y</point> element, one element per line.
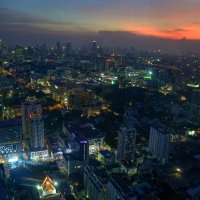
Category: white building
<point>159,142</point>
<point>33,129</point>
<point>96,182</point>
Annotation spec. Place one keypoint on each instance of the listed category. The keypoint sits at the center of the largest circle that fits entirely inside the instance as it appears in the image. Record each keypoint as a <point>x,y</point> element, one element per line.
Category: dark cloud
<point>177,30</point>
<point>11,17</point>
<point>127,39</point>
<point>11,20</point>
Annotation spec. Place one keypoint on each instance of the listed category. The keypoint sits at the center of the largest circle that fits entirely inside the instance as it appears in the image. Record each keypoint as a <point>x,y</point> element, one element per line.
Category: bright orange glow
<point>189,32</point>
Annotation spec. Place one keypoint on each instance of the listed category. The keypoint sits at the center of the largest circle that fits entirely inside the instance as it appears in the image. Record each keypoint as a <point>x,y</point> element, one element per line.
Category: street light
<point>150,72</point>
<point>178,169</point>
<point>38,187</point>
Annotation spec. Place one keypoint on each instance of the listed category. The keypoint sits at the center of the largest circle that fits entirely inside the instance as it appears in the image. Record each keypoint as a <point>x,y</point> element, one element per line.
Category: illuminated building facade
<point>89,139</point>
<point>31,109</point>
<point>33,128</point>
<point>47,188</point>
<point>10,141</point>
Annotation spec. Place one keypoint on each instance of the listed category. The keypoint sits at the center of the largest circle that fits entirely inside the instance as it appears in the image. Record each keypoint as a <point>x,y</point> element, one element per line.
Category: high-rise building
<point>3,49</point>
<point>126,143</point>
<point>95,181</point>
<point>1,107</point>
<point>94,47</point>
<point>37,136</point>
<point>33,128</point>
<point>58,46</point>
<point>159,142</point>
<point>69,46</point>
<point>130,116</point>
<point>58,49</point>
<point>31,110</point>
<point>67,49</point>
<point>194,116</point>
<point>19,52</point>
<point>118,189</point>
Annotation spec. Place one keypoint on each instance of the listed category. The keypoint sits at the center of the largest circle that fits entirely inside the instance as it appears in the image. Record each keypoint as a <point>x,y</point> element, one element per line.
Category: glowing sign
<point>193,85</point>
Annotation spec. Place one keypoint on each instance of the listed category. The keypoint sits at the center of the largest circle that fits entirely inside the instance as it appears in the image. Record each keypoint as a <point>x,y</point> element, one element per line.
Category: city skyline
<point>46,20</point>
<point>112,118</point>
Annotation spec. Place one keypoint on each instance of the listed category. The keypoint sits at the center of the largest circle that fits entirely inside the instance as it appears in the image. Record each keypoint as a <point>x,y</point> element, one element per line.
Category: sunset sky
<point>174,19</point>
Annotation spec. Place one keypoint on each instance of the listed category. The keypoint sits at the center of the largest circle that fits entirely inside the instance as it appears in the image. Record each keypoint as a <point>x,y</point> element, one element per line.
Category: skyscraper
<point>127,135</point>
<point>94,47</point>
<point>33,128</point>
<point>126,143</point>
<point>159,142</point>
<point>69,46</point>
<point>37,137</point>
<point>194,116</point>
<point>129,116</point>
<point>67,49</point>
<point>58,46</point>
<point>1,107</point>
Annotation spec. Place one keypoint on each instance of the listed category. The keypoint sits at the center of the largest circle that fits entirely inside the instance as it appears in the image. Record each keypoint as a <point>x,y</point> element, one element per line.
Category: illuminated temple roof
<point>47,185</point>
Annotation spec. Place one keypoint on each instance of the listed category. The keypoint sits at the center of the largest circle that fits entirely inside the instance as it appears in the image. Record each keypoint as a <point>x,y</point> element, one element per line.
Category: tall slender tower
<point>1,107</point>
<point>32,124</point>
<point>129,116</point>
<point>126,143</point>
<point>127,135</point>
<point>194,116</point>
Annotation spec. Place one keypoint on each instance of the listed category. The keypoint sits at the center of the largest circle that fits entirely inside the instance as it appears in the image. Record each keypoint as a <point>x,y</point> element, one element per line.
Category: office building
<point>194,115</point>
<point>72,164</point>
<point>89,138</point>
<point>1,107</point>
<point>126,143</point>
<point>129,116</point>
<point>118,189</point>
<point>95,181</point>
<point>33,128</point>
<point>159,142</point>
<point>31,109</point>
<point>37,137</point>
<point>19,53</point>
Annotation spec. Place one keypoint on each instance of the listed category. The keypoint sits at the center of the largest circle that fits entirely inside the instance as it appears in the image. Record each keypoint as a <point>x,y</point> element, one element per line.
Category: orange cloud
<point>189,32</point>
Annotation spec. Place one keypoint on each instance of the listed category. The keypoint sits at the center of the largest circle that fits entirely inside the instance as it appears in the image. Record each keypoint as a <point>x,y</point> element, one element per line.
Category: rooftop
<point>106,153</point>
<point>84,133</point>
<point>121,186</point>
